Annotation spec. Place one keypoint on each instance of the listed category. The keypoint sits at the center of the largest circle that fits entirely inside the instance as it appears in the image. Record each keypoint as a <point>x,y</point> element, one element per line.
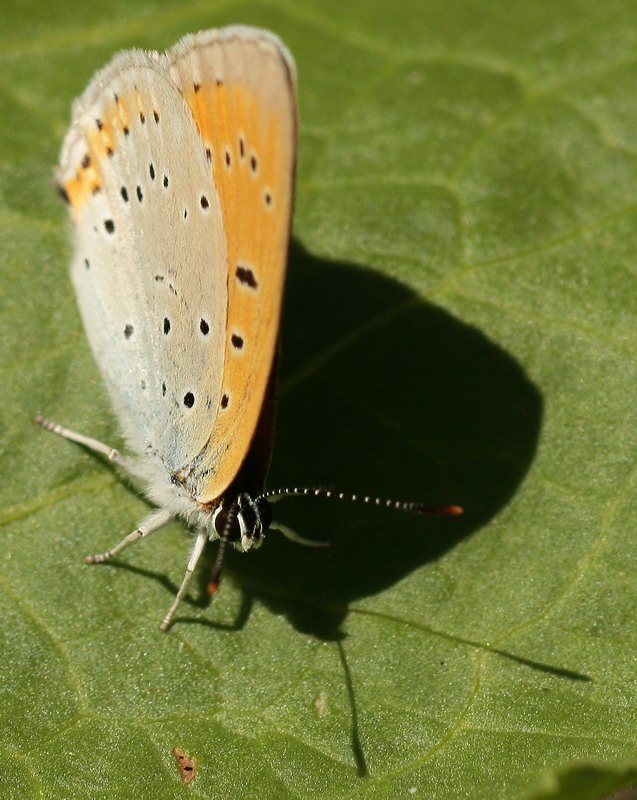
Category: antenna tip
<point>441,511</point>
<point>213,586</point>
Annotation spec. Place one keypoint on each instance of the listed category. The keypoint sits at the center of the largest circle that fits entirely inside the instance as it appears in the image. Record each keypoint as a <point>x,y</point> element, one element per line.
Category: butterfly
<point>178,170</point>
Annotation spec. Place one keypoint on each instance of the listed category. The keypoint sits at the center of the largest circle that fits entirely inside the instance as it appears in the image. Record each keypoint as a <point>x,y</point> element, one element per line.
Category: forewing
<point>150,255</point>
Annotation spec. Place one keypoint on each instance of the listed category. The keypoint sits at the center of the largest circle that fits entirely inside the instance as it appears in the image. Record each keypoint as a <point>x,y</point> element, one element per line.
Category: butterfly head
<point>242,521</point>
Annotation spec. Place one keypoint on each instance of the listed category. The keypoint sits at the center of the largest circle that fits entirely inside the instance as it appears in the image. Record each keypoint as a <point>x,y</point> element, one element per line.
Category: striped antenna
<point>397,505</point>
<point>217,569</point>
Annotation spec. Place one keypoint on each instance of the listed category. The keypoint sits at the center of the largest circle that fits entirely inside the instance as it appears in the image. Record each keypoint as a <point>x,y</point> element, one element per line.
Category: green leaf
<point>459,327</point>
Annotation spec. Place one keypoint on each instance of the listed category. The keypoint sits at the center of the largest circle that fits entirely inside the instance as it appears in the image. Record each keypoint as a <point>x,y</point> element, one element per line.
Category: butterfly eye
<point>226,523</point>
<point>245,520</point>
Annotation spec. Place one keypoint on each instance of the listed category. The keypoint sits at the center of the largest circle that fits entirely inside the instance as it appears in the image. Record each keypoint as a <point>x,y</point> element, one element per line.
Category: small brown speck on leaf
<point>187,765</point>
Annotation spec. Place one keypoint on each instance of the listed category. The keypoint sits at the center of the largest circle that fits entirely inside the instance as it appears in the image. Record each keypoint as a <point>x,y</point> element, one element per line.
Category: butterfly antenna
<point>397,505</point>
<point>224,539</point>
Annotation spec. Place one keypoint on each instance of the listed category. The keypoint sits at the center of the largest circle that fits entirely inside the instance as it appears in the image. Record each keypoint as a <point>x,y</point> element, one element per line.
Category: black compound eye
<point>221,520</point>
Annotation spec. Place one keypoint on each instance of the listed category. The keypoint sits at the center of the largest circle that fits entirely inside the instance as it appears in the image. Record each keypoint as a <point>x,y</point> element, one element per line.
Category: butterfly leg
<point>197,550</point>
<point>151,524</point>
<point>92,444</point>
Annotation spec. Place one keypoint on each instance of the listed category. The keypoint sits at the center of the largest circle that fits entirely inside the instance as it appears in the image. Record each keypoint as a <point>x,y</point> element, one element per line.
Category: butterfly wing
<point>150,255</point>
<point>239,85</point>
<point>179,172</point>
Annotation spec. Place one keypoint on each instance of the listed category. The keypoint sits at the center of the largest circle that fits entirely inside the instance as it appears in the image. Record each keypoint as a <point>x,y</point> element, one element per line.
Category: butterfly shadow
<point>381,393</point>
